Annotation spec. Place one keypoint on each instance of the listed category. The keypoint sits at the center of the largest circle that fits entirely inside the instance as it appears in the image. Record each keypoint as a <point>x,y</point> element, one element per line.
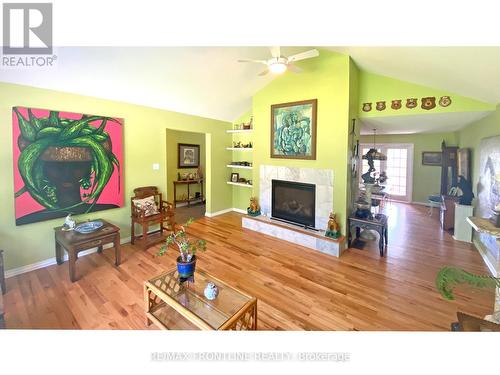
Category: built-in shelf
<point>238,166</point>
<point>239,149</point>
<point>239,184</point>
<point>239,131</point>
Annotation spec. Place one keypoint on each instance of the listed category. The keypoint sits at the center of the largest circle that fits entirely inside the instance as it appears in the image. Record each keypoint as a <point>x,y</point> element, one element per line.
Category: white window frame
<point>409,166</point>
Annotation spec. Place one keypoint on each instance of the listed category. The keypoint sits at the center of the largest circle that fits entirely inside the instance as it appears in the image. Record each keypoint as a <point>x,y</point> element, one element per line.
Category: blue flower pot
<point>186,269</point>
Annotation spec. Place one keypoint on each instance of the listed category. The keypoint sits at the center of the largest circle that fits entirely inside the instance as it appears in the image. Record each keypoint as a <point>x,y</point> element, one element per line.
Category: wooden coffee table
<point>171,304</point>
<point>75,242</point>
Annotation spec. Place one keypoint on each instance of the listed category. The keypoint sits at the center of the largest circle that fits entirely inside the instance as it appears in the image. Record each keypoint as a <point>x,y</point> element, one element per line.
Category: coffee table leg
<point>118,259</point>
<point>146,303</point>
<point>59,253</point>
<point>99,249</point>
<point>72,266</point>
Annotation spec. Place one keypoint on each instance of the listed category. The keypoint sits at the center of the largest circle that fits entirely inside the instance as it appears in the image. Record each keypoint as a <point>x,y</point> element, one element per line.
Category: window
<point>398,167</point>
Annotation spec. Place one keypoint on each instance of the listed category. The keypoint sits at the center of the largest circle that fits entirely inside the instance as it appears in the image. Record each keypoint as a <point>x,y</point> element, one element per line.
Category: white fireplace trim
<point>322,178</point>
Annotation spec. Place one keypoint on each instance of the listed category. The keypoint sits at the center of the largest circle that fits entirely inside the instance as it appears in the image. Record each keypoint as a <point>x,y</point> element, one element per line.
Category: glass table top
<point>190,294</point>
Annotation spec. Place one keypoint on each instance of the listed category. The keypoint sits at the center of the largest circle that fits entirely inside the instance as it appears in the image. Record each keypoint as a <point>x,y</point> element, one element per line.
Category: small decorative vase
<point>186,269</point>
<point>211,291</point>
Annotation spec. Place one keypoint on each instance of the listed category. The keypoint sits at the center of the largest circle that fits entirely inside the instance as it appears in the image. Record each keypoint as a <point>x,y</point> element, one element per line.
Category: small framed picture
<point>432,158</point>
<point>235,177</point>
<point>189,156</point>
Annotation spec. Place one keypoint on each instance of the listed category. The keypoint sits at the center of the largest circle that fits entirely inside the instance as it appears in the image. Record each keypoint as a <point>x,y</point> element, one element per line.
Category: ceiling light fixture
<point>278,66</point>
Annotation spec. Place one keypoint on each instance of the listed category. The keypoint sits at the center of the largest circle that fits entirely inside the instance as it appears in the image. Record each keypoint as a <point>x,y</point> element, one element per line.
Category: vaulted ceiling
<point>209,82</point>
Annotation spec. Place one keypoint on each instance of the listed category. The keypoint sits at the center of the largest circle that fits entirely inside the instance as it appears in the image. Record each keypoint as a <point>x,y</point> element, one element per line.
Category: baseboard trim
<point>222,212</point>
<point>51,261</point>
<point>217,213</point>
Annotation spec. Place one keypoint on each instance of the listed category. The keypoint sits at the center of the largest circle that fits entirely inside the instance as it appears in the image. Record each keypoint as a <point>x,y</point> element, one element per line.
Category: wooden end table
<point>378,224</point>
<point>172,304</point>
<point>75,242</point>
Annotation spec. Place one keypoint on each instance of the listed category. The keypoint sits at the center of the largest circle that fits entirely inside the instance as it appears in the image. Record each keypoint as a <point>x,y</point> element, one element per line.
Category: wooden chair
<point>165,217</point>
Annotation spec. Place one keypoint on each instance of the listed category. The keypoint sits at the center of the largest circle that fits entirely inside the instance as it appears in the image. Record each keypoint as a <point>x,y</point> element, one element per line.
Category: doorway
<point>185,174</point>
<point>398,167</point>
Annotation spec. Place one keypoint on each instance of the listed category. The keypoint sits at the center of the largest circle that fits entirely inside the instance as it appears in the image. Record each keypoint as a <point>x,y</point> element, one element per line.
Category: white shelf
<point>239,149</point>
<point>239,166</point>
<point>239,131</point>
<point>239,184</point>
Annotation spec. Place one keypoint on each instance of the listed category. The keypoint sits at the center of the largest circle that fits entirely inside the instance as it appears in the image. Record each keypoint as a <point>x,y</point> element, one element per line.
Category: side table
<point>75,242</point>
<point>378,224</point>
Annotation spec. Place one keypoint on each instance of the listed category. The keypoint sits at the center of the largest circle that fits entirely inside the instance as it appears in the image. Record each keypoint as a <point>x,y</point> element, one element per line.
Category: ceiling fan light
<point>277,68</point>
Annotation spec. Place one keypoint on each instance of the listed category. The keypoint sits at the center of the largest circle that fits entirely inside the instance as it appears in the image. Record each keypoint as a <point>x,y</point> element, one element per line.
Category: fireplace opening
<point>294,202</point>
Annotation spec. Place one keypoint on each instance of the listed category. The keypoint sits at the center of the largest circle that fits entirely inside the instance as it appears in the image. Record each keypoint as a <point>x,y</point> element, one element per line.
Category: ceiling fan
<point>278,64</point>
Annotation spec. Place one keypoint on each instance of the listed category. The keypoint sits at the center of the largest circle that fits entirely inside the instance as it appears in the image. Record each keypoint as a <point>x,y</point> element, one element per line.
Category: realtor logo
<point>27,28</point>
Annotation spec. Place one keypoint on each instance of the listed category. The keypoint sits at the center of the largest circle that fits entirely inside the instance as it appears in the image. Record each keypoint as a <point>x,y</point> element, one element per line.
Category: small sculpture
<point>254,209</point>
<point>211,291</point>
<point>467,194</point>
<point>69,223</point>
<point>333,229</point>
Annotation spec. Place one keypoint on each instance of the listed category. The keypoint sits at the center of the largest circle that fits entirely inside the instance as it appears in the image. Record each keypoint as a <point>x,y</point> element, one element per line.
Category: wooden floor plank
<point>297,288</point>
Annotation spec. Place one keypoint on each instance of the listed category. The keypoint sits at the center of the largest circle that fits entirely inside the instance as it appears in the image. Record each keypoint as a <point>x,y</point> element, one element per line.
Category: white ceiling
<point>203,81</point>
<point>422,123</point>
<point>209,82</point>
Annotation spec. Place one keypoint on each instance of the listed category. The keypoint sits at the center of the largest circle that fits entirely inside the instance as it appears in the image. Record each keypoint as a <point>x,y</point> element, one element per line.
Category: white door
<point>398,167</point>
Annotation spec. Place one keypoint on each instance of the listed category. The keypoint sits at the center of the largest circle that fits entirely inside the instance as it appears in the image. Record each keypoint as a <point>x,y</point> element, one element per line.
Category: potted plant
<point>186,261</point>
<point>448,277</point>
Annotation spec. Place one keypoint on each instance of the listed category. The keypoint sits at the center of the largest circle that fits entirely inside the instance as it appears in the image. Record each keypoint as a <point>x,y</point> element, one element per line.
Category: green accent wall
<point>144,144</point>
<point>327,79</point>
<point>174,137</point>
<point>374,87</point>
<point>426,179</point>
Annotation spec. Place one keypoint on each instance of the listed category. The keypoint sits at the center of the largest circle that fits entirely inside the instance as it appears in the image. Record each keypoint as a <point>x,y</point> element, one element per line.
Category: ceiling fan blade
<point>294,68</point>
<point>264,72</point>
<point>255,61</point>
<point>275,51</point>
<point>304,55</point>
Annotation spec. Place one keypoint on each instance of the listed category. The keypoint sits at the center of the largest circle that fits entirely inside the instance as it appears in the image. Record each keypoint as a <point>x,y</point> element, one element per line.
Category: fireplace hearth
<point>294,202</point>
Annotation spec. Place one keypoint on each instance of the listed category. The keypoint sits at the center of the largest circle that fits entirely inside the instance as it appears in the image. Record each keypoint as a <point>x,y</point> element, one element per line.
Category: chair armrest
<point>136,212</point>
<point>167,206</point>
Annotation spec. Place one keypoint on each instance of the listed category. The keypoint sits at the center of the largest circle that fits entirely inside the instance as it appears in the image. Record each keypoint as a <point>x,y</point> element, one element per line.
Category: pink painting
<point>65,163</point>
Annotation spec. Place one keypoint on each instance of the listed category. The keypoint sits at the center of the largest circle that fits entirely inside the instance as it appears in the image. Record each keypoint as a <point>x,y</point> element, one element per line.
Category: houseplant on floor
<point>186,261</point>
<point>448,277</point>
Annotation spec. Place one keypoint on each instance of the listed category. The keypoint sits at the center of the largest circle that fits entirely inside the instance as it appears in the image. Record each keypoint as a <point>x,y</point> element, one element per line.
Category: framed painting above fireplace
<point>293,130</point>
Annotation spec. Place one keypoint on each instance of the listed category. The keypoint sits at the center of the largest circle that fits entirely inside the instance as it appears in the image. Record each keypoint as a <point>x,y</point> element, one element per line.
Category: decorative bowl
<point>89,227</point>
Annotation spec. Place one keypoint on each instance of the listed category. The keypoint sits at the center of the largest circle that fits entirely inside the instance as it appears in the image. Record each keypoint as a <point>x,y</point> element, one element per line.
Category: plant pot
<point>186,269</point>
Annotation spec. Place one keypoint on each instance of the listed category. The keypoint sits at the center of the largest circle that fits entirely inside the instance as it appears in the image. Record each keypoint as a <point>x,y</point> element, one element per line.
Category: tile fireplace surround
<point>323,179</point>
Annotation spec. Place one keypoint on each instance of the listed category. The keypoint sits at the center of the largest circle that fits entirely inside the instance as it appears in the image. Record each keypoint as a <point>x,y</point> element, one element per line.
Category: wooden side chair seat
<point>149,209</point>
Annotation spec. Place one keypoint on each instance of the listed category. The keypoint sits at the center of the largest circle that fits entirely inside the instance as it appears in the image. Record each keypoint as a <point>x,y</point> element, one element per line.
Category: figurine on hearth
<point>254,209</point>
<point>333,229</point>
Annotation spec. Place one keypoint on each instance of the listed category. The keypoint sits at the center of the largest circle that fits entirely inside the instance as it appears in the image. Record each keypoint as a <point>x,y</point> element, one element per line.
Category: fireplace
<point>294,202</point>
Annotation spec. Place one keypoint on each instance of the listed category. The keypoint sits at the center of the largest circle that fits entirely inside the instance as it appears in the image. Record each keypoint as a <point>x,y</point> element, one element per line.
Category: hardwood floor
<point>297,288</point>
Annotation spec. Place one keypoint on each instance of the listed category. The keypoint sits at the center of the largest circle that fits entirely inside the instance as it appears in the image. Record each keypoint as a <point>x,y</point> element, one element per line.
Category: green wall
<point>426,179</point>
<point>174,137</point>
<point>144,144</point>
<point>374,87</point>
<point>326,79</point>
